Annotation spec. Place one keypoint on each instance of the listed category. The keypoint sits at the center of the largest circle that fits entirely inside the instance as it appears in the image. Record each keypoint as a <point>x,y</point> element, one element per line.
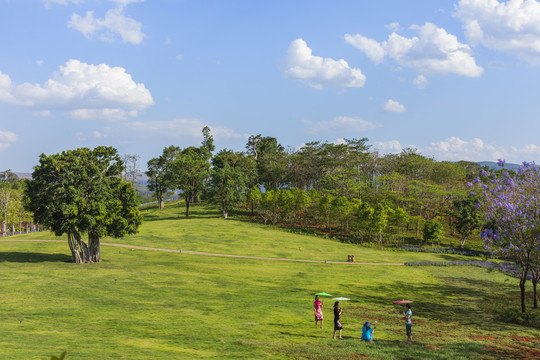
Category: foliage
<point>188,172</point>
<point>158,168</point>
<point>512,206</point>
<point>433,230</point>
<point>227,185</point>
<point>80,191</point>
<point>468,215</point>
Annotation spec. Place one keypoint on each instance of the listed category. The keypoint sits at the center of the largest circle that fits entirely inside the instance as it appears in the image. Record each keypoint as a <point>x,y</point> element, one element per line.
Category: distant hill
<point>493,165</point>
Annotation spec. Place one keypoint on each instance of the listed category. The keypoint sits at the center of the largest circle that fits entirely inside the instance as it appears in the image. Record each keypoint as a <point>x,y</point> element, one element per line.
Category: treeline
<point>14,217</point>
<point>345,188</point>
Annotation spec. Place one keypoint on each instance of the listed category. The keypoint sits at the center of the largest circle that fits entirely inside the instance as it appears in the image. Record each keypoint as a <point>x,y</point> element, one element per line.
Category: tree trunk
<point>462,241</point>
<point>94,248</point>
<point>535,296</point>
<point>522,281</point>
<point>187,199</point>
<point>225,213</point>
<point>535,279</point>
<point>79,250</point>
<point>161,203</point>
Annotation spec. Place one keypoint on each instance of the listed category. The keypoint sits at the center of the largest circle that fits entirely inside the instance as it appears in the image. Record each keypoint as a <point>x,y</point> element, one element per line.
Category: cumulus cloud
<point>341,123</point>
<point>7,138</point>
<point>82,88</point>
<point>318,72</point>
<point>432,51</point>
<point>420,81</point>
<point>181,128</point>
<point>511,26</point>
<point>391,146</point>
<point>393,106</point>
<point>113,24</point>
<point>454,148</point>
<point>393,26</point>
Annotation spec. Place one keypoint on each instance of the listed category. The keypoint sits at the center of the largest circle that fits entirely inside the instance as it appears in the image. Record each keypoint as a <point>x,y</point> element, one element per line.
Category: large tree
<point>189,171</point>
<point>81,191</point>
<point>512,205</point>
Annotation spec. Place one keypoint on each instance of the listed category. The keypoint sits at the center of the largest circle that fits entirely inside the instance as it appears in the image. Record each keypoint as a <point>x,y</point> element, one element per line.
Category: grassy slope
<point>169,306</point>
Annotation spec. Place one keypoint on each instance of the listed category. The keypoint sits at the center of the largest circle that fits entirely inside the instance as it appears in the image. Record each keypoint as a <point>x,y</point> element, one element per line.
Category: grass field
<point>140,304</point>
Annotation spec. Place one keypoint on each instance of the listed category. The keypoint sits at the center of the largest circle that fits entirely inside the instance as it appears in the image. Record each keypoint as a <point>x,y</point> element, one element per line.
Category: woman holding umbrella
<point>337,320</point>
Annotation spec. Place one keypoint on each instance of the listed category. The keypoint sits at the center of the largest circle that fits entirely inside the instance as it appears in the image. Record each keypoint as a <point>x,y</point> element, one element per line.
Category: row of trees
<point>12,212</point>
<point>335,177</point>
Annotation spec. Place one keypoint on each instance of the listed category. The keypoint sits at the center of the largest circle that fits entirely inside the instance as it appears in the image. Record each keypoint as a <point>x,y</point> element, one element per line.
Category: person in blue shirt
<point>367,332</point>
<point>408,323</point>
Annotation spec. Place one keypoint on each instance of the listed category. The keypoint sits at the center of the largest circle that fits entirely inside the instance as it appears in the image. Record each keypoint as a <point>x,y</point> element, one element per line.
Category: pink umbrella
<point>402,302</point>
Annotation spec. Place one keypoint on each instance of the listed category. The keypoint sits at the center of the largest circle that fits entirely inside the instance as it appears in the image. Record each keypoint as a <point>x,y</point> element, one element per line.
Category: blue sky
<point>457,80</point>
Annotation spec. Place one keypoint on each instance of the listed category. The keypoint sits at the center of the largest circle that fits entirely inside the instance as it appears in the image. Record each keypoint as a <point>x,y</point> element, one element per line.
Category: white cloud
<point>391,146</point>
<point>80,87</point>
<point>420,81</point>
<point>99,135</point>
<point>181,128</point>
<point>318,72</point>
<point>372,48</point>
<point>7,138</point>
<point>432,51</point>
<point>179,57</point>
<point>393,26</point>
<point>114,23</point>
<point>512,26</point>
<point>393,106</point>
<point>341,123</point>
<point>105,114</point>
<point>61,2</point>
<point>454,148</point>
<point>39,62</point>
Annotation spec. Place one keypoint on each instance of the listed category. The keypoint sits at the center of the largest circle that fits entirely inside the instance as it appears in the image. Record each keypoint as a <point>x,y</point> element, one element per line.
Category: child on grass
<point>408,323</point>
<point>367,332</point>
<point>317,305</point>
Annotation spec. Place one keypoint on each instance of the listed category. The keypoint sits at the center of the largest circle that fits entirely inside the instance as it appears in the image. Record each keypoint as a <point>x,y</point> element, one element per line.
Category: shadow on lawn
<point>387,349</point>
<point>31,257</point>
<point>456,299</point>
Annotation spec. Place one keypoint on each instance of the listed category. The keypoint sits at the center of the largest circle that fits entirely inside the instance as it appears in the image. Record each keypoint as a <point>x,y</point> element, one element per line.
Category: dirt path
<point>221,255</point>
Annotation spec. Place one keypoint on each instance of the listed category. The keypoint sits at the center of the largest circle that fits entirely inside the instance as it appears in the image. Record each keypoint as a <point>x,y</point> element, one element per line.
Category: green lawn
<point>140,304</point>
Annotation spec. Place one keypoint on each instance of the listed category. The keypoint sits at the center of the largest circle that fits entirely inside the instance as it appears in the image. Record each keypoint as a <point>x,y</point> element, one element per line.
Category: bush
<point>515,316</point>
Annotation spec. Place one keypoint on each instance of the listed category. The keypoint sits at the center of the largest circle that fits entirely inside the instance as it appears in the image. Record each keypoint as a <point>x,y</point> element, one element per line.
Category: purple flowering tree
<point>512,206</point>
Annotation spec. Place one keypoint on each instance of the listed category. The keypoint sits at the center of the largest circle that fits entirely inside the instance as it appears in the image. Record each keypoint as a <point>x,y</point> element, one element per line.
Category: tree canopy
<point>81,191</point>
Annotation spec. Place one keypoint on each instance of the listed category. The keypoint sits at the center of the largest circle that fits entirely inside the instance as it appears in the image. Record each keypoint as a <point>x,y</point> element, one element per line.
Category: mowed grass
<point>206,231</point>
<point>140,304</point>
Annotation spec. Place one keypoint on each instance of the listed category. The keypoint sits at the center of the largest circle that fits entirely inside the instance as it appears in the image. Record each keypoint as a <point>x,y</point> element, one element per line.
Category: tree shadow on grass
<point>32,257</point>
<point>456,299</point>
<point>386,349</point>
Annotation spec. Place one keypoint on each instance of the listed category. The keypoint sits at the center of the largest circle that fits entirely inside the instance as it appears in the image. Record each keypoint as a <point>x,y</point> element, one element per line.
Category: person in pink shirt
<point>317,305</point>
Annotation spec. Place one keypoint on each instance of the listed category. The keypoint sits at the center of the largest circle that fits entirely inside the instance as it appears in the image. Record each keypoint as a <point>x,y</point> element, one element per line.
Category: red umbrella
<point>402,302</point>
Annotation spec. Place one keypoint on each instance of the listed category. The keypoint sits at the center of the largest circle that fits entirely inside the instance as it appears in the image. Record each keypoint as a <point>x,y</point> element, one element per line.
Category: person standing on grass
<point>408,322</point>
<point>317,305</point>
<point>367,332</point>
<point>337,320</point>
